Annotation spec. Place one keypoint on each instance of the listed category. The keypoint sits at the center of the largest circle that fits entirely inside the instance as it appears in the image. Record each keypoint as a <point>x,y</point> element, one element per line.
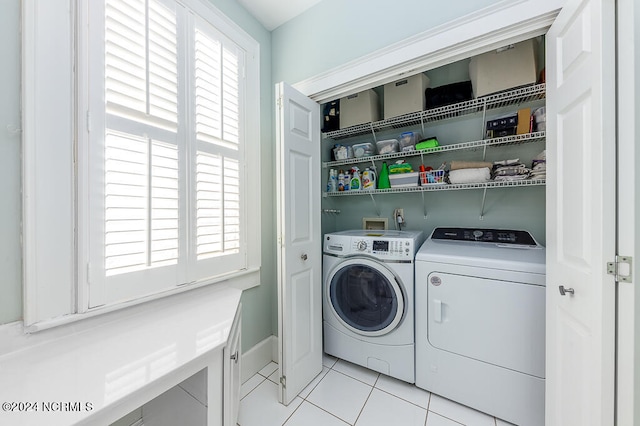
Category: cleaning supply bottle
<point>356,183</point>
<point>383,180</point>
<point>368,179</point>
<point>341,180</point>
<point>332,183</point>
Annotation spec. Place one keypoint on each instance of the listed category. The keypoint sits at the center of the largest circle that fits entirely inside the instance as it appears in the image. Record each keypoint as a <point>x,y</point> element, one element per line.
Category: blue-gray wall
<point>334,32</point>
<point>256,312</point>
<point>10,160</point>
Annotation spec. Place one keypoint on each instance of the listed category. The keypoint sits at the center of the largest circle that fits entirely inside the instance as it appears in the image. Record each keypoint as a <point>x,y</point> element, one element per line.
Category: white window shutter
<point>219,172</point>
<point>169,184</point>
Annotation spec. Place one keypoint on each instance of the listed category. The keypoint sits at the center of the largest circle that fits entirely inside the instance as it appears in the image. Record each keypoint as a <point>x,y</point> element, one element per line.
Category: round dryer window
<point>365,297</point>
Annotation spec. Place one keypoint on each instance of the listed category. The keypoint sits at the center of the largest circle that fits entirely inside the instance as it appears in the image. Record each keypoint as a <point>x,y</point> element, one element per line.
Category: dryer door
<point>365,296</point>
<point>490,320</point>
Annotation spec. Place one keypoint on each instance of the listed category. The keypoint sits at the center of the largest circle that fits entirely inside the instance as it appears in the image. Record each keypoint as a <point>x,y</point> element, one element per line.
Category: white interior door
<point>581,214</point>
<point>299,240</point>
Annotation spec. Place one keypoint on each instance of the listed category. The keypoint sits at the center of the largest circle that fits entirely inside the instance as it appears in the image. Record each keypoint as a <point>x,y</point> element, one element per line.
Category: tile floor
<point>346,394</point>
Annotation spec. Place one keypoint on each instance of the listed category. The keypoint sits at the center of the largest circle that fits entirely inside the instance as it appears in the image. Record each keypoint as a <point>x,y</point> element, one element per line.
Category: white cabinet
<point>232,365</point>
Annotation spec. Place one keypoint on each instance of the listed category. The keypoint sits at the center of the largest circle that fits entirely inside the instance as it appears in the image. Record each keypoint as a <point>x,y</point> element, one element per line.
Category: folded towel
<point>482,174</point>
<point>456,165</point>
<point>510,178</point>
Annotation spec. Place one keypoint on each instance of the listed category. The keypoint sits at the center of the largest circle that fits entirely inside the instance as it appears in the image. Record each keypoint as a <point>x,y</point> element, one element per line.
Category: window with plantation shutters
<point>167,150</point>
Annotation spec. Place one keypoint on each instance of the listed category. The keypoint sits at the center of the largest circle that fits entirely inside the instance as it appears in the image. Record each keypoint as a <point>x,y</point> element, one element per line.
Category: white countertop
<point>103,368</point>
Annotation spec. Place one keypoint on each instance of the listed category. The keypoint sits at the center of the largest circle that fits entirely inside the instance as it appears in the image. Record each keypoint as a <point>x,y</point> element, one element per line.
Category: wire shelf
<point>503,141</point>
<point>441,187</point>
<point>498,100</point>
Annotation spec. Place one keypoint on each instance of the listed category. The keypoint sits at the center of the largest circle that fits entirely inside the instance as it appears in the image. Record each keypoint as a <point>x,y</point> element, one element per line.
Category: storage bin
<point>448,94</point>
<point>504,68</point>
<point>363,149</point>
<point>341,152</point>
<point>408,141</point>
<point>331,116</point>
<point>359,108</point>
<point>387,146</point>
<point>432,177</point>
<point>404,180</point>
<point>405,96</point>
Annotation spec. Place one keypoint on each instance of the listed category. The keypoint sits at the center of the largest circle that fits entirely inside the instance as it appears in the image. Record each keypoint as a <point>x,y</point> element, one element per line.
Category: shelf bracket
<point>373,132</point>
<point>375,206</point>
<point>424,205</point>
<point>484,119</point>
<point>422,124</point>
<point>484,197</point>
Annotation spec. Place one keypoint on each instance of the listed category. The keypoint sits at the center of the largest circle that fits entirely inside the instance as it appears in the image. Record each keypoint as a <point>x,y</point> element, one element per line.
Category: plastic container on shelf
<point>403,180</point>
<point>363,149</point>
<point>341,152</point>
<point>387,146</point>
<point>408,140</point>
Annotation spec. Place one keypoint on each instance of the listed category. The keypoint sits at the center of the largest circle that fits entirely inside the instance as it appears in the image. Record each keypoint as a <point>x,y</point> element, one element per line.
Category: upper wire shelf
<point>498,100</point>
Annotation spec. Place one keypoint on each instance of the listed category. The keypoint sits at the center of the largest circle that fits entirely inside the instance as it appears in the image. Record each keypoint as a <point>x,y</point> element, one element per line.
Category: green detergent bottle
<point>383,179</point>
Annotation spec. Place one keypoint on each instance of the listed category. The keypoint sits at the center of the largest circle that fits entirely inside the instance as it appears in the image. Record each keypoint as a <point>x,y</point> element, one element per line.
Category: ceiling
<point>273,13</point>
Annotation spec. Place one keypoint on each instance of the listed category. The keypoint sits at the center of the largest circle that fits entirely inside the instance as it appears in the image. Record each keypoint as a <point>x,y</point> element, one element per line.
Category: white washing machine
<point>368,280</point>
<point>480,321</point>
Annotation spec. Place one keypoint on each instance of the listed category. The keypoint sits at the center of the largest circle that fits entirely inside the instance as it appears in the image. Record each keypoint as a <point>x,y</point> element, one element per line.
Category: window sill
<point>241,280</point>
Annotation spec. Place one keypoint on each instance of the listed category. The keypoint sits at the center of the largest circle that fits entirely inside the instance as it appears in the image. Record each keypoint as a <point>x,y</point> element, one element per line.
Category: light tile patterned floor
<point>345,394</point>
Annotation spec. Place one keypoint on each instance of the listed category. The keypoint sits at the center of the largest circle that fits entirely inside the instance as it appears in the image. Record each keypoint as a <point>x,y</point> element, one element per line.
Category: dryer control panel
<point>499,236</point>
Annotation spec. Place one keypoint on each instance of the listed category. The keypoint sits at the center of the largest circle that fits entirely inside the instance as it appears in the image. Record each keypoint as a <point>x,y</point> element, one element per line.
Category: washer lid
<point>494,255</point>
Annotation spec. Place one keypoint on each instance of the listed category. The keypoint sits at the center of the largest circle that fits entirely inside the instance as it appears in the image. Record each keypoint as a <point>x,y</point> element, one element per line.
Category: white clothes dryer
<point>480,321</point>
<point>368,280</point>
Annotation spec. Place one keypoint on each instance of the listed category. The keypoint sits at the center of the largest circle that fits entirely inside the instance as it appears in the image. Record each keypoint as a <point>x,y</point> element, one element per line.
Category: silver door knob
<point>564,291</point>
<point>304,257</point>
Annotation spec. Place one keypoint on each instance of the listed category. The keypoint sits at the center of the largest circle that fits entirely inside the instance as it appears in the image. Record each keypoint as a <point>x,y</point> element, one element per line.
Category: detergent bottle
<point>341,180</point>
<point>383,180</point>
<point>356,183</point>
<point>368,179</point>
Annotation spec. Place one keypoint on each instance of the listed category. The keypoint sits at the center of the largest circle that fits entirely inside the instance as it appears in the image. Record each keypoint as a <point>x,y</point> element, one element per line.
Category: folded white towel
<point>470,175</point>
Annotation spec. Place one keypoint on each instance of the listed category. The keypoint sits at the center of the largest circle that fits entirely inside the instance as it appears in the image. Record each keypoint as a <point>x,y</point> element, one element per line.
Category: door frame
<point>628,105</point>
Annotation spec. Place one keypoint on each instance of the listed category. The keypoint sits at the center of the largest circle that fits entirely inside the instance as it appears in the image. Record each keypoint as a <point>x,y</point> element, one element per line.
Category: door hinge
<point>279,101</point>
<point>621,268</point>
<point>283,381</point>
<point>88,121</point>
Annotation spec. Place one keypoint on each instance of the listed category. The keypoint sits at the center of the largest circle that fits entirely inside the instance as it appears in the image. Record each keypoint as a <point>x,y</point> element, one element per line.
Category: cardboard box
<point>359,108</point>
<point>525,122</point>
<point>405,96</point>
<point>505,68</point>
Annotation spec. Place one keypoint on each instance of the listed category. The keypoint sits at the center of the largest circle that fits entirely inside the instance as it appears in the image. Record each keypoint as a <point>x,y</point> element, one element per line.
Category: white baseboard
<point>258,356</point>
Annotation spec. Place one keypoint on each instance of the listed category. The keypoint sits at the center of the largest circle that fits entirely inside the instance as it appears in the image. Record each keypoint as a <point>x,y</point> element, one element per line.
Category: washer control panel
<point>380,247</point>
